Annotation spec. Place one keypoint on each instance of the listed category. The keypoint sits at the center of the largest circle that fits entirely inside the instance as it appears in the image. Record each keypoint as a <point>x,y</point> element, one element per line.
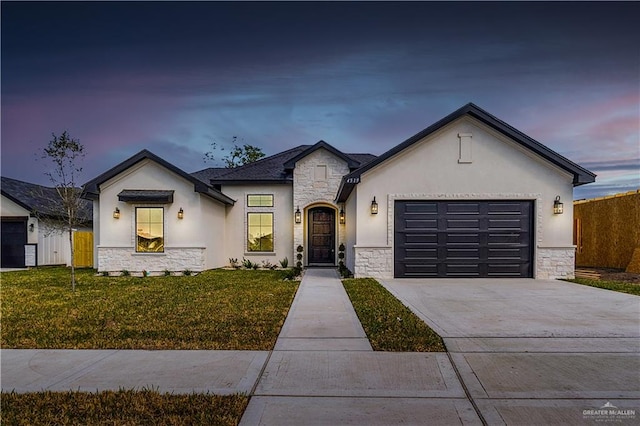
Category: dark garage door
<point>463,239</point>
<point>14,237</point>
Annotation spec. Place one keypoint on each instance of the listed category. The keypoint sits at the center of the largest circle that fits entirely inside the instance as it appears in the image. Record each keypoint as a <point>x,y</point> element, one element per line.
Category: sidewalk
<point>324,372</point>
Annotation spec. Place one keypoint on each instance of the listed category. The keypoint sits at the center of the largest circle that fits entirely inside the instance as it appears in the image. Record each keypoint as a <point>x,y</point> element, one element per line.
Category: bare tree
<point>64,210</point>
<point>238,155</point>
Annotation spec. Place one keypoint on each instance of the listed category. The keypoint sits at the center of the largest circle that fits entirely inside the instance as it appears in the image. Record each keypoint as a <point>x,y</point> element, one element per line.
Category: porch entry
<point>322,235</point>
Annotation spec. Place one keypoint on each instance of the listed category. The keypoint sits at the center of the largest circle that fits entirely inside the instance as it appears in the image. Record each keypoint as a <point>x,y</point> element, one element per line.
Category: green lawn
<point>620,286</point>
<point>390,326</point>
<point>216,309</point>
<point>124,407</point>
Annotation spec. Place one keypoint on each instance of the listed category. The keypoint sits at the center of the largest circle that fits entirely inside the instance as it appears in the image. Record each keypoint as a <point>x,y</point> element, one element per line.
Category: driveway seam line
<point>466,391</point>
<point>264,367</point>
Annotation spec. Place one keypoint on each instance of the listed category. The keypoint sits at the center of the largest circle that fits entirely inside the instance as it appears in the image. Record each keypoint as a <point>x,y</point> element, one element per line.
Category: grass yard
<point>123,407</point>
<point>216,309</point>
<point>620,286</point>
<point>390,326</point>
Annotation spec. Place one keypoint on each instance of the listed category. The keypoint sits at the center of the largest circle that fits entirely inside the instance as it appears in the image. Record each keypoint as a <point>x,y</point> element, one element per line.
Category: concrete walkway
<point>321,317</point>
<point>324,372</point>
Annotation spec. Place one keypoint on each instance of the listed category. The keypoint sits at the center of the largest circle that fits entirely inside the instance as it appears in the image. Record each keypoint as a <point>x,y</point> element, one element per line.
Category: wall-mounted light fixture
<point>558,207</point>
<point>31,227</point>
<point>342,216</point>
<point>180,213</point>
<point>116,213</point>
<point>298,216</point>
<point>374,206</point>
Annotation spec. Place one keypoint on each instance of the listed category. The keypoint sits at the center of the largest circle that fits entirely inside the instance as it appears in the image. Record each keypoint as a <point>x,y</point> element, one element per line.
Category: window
<point>150,229</point>
<point>260,200</point>
<point>259,231</point>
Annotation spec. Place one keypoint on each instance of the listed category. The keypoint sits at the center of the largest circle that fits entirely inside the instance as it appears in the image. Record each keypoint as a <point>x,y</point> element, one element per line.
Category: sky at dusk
<point>175,77</point>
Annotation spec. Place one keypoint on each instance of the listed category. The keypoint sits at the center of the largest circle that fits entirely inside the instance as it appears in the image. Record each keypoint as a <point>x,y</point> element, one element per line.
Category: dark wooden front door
<point>322,235</point>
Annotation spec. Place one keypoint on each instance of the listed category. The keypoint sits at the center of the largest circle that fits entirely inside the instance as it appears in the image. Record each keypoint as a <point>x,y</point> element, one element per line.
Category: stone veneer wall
<point>374,262</point>
<point>173,259</point>
<point>307,191</point>
<point>555,262</point>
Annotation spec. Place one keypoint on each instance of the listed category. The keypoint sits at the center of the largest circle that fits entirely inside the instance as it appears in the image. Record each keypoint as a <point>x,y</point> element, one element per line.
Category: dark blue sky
<point>173,77</point>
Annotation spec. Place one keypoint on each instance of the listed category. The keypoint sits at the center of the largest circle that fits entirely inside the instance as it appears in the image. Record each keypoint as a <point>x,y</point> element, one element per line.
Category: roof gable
<point>92,188</point>
<point>272,169</point>
<point>580,175</point>
<point>351,162</point>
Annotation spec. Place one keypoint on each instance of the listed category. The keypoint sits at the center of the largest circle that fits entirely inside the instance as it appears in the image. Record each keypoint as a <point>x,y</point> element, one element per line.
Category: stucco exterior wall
<point>235,241</point>
<point>311,190</point>
<point>184,239</point>
<point>350,239</point>
<point>498,169</point>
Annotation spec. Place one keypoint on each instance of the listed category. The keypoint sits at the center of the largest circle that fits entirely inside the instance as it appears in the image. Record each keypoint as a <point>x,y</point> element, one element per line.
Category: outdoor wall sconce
<point>180,213</point>
<point>558,207</point>
<point>31,227</point>
<point>342,217</point>
<point>116,213</point>
<point>298,215</point>
<point>374,206</point>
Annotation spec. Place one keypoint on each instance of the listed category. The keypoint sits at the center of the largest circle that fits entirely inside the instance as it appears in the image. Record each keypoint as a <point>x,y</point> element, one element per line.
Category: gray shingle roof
<point>39,199</point>
<point>269,169</point>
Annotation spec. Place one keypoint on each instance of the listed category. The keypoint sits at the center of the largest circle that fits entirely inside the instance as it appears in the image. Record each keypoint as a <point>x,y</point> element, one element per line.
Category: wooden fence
<point>83,244</point>
<point>607,230</point>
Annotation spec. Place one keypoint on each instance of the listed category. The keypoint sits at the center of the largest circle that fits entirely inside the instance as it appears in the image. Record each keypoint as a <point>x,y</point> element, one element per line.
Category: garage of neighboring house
<point>26,239</point>
<point>447,239</point>
<point>14,238</point>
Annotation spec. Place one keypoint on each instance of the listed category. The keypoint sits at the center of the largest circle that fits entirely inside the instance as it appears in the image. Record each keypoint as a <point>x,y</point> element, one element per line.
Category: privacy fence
<point>607,230</point>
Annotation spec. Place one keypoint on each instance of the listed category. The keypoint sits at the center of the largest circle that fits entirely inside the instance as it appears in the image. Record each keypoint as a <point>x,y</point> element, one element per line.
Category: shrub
<point>342,247</point>
<point>284,263</point>
<point>255,266</point>
<point>187,272</point>
<point>233,262</point>
<point>125,273</point>
<point>299,264</point>
<point>292,273</point>
<point>299,256</point>
<point>167,273</point>
<point>105,273</point>
<point>247,263</point>
<point>299,249</point>
<point>268,265</point>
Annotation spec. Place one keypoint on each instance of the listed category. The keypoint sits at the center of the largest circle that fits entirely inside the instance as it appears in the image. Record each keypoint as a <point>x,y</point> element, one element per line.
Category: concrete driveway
<point>535,351</point>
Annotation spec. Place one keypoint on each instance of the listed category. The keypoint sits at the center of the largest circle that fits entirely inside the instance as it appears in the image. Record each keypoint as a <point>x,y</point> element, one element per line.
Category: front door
<point>322,235</point>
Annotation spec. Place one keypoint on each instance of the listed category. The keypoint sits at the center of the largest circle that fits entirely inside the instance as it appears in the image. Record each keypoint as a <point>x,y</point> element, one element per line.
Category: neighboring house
<point>469,196</point>
<point>22,205</point>
<point>607,230</point>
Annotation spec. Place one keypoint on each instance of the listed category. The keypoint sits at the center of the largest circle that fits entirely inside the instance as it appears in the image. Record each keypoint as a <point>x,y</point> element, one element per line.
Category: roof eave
<point>252,182</point>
